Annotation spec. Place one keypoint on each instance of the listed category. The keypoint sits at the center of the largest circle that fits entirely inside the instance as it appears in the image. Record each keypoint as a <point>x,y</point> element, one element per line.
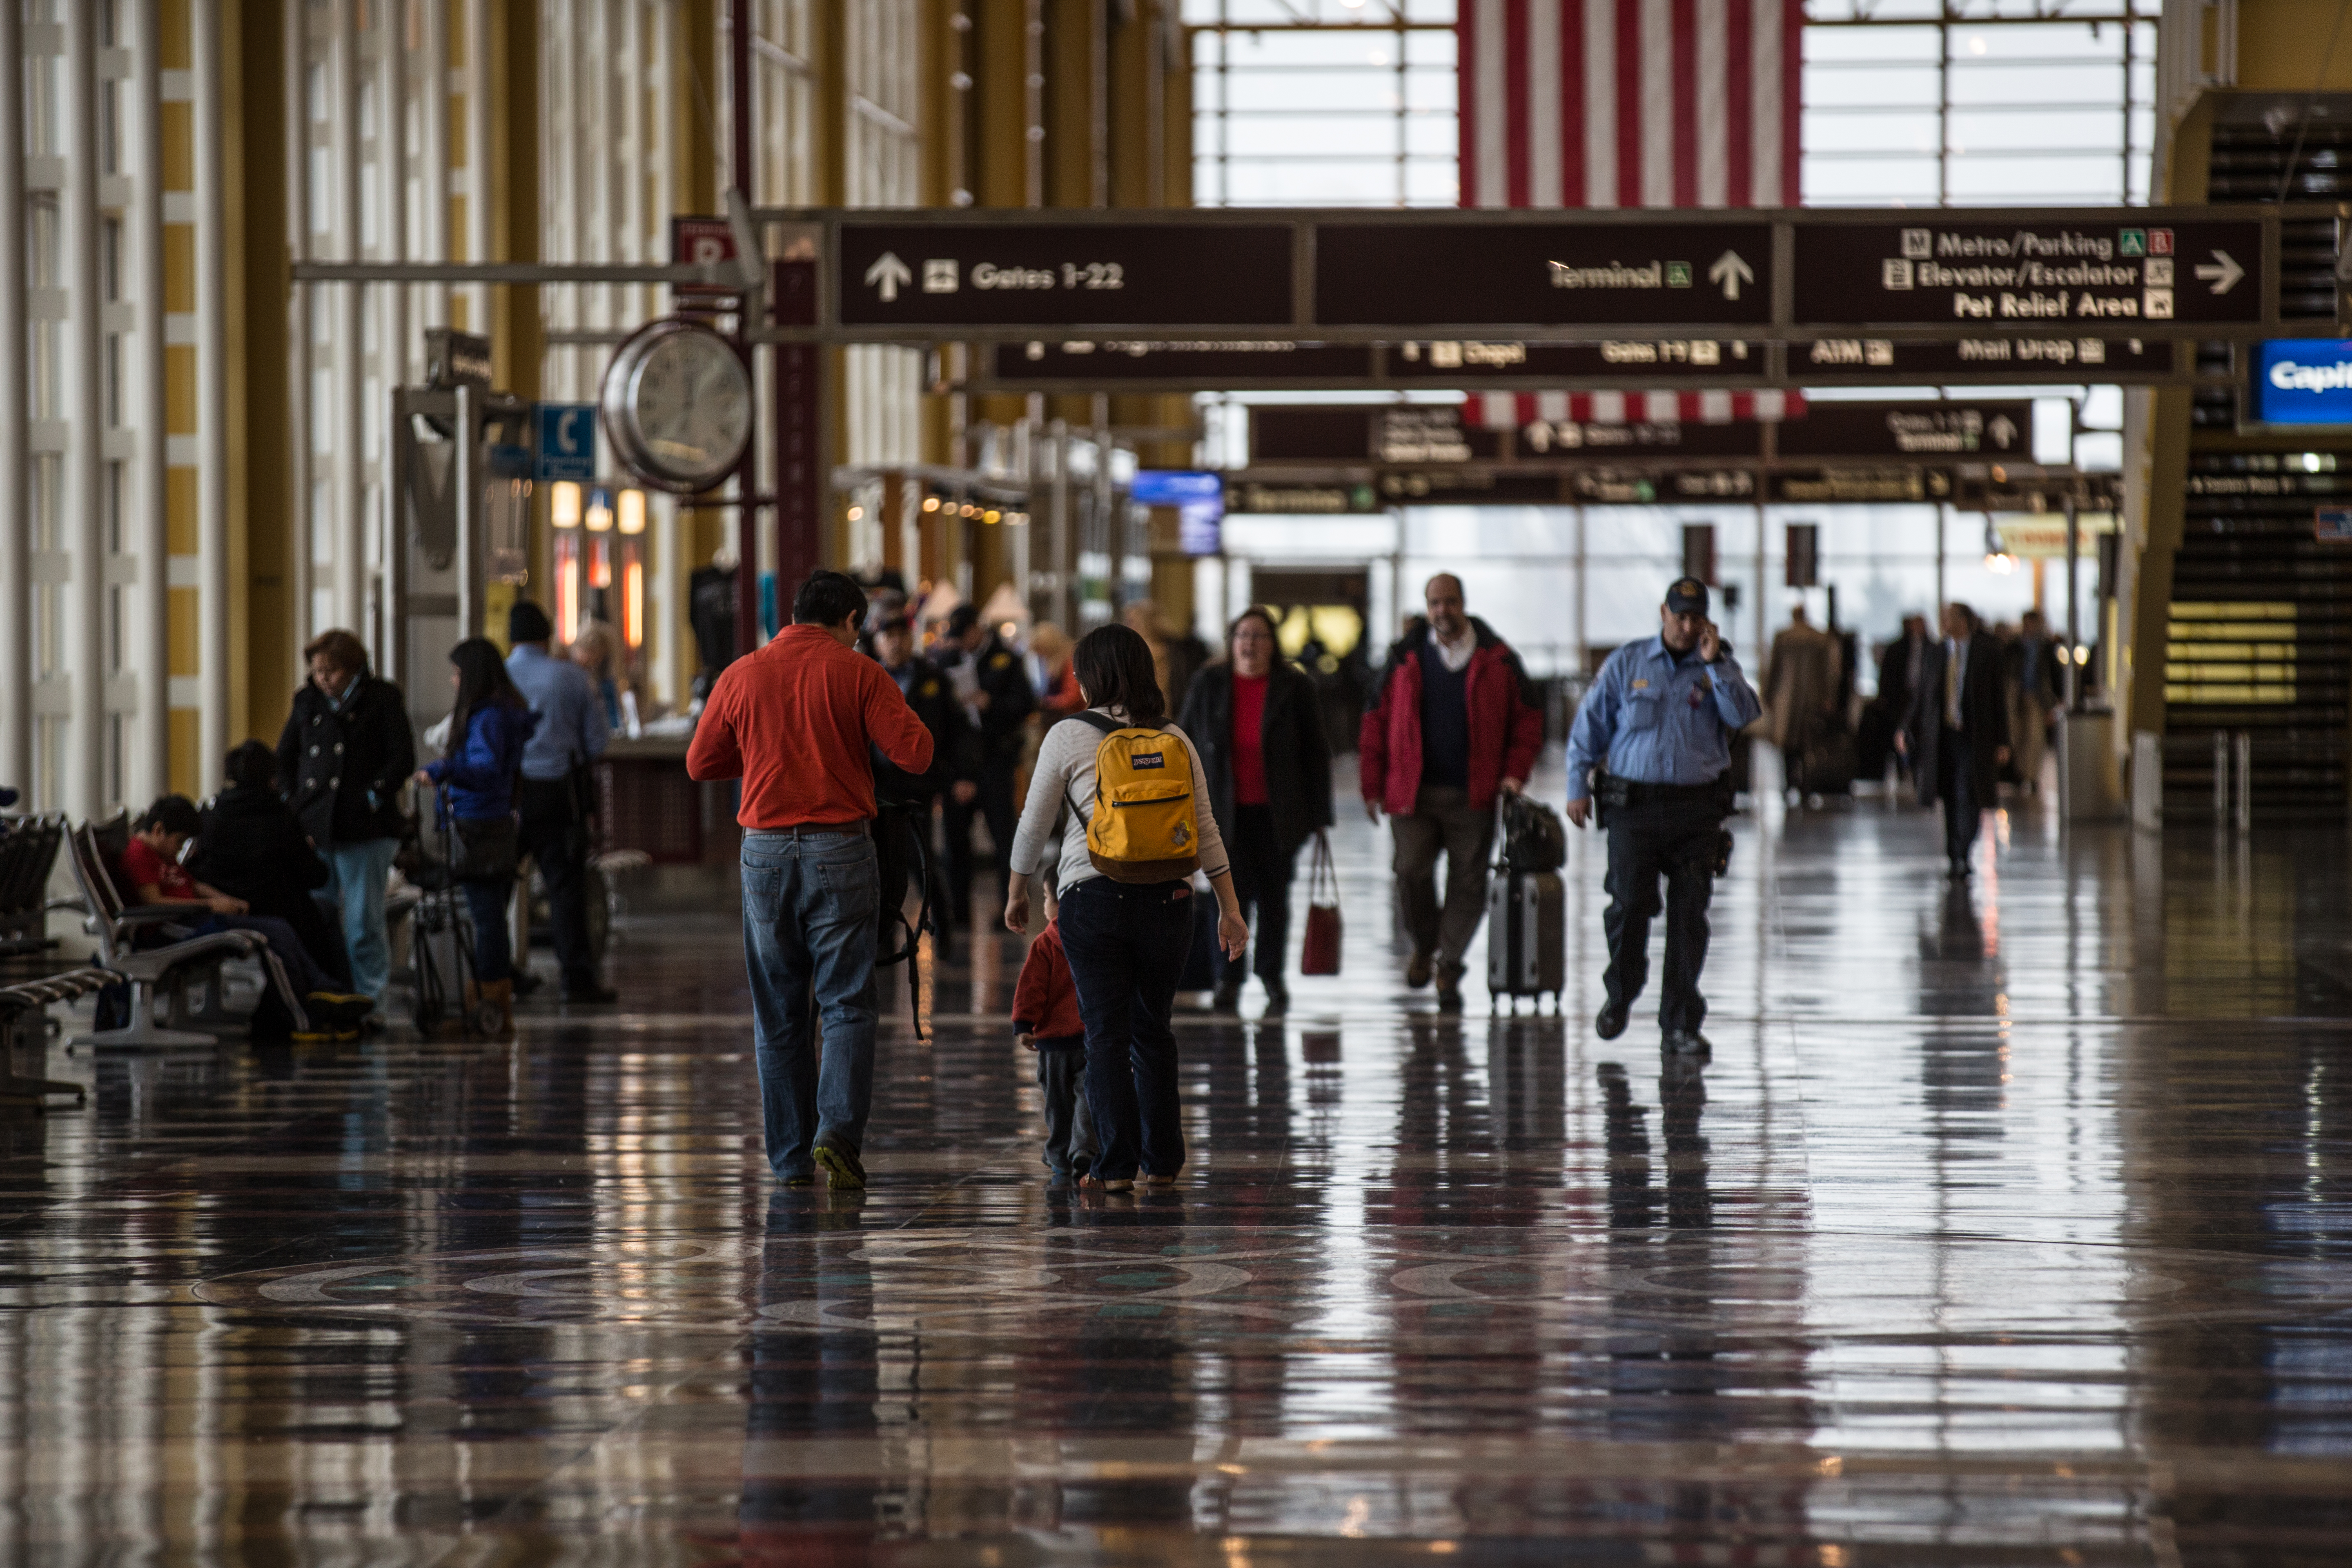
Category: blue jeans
<point>360,872</point>
<point>486,901</point>
<point>810,903</point>
<point>1126,943</point>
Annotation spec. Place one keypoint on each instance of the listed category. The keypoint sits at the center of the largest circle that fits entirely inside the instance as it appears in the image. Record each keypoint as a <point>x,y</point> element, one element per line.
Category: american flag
<point>1509,410</point>
<point>1630,103</point>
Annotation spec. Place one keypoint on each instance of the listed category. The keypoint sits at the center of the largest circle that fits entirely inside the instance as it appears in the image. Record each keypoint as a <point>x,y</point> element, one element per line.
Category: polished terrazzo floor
<point>2006,1227</point>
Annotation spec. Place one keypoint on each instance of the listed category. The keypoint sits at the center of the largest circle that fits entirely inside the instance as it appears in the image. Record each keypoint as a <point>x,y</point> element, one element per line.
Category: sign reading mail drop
<point>2304,381</point>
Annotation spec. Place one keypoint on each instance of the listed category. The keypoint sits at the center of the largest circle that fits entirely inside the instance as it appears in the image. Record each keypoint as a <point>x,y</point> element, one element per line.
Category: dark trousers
<point>1069,1130</point>
<point>486,899</point>
<point>1675,840</point>
<point>555,838</point>
<point>1443,821</point>
<point>1261,873</point>
<point>1126,943</point>
<point>1956,787</point>
<point>994,802</point>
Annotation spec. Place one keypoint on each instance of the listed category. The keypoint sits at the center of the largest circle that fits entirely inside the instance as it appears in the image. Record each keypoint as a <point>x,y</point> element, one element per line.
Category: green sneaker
<point>844,1173</point>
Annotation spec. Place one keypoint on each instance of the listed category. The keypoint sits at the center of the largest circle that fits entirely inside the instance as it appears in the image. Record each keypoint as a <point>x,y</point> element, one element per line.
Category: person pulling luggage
<point>1652,744</point>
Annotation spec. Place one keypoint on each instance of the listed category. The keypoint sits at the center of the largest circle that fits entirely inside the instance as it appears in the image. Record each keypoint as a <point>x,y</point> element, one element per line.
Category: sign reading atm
<point>2303,381</point>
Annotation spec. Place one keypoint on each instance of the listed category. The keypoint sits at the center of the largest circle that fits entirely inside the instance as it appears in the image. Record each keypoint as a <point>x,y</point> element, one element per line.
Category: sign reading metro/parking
<point>2059,272</point>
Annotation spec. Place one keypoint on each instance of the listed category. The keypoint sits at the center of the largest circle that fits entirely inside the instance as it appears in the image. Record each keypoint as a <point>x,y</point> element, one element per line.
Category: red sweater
<point>794,723</point>
<point>1044,1002</point>
<point>1506,730</point>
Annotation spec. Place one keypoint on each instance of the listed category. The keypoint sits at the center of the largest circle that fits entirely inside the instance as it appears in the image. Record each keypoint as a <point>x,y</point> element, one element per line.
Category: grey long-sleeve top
<point>1065,772</point>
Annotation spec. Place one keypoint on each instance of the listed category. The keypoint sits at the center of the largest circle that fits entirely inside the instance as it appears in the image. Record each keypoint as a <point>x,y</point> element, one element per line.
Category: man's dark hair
<point>827,599</point>
<point>1969,618</point>
<point>525,622</point>
<point>1114,665</point>
<point>173,813</point>
<point>253,765</point>
<point>961,619</point>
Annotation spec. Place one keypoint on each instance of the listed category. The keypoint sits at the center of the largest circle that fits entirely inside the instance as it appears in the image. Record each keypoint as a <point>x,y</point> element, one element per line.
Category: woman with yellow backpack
<point>1139,826</point>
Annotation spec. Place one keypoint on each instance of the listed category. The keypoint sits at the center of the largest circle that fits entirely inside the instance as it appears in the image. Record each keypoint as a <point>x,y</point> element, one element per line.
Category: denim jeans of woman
<point>1126,943</point>
<point>486,903</point>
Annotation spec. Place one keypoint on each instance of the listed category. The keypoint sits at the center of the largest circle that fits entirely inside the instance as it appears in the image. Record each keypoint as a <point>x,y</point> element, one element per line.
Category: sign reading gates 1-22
<point>1064,275</point>
<point>2057,272</point>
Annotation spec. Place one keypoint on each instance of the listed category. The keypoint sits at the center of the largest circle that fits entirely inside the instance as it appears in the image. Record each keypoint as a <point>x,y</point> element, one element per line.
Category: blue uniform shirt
<point>1654,718</point>
<point>571,718</point>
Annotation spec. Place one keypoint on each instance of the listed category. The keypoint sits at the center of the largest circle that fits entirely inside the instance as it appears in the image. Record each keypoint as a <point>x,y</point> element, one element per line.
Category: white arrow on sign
<point>2003,430</point>
<point>2224,275</point>
<point>1730,271</point>
<point>886,274</point>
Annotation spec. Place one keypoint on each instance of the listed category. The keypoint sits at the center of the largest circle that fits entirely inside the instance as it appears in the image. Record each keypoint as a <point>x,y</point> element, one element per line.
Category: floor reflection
<point>2007,1222</point>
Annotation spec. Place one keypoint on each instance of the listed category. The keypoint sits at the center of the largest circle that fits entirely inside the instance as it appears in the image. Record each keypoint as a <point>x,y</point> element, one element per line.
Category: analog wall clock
<point>677,406</point>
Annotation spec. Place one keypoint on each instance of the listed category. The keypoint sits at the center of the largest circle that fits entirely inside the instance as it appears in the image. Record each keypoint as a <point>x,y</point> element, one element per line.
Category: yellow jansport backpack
<point>1144,827</point>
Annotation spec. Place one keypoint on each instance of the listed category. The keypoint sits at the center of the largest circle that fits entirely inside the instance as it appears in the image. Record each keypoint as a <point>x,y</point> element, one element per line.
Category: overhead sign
<point>1455,363</point>
<point>1860,485</point>
<point>2060,270</point>
<point>2057,358</point>
<point>455,359</point>
<point>2303,381</point>
<point>1207,366</point>
<point>702,242</point>
<point>1414,434</point>
<point>1444,271</point>
<point>1200,501</point>
<point>2042,536</point>
<point>1064,275</point>
<point>1915,430</point>
<point>567,441</point>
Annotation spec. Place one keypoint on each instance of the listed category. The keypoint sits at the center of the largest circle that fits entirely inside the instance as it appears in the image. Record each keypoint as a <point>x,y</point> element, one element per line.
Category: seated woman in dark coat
<point>252,847</point>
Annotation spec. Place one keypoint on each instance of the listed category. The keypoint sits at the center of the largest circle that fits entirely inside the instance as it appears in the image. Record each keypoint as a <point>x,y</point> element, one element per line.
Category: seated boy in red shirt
<point>1046,1020</point>
<point>155,878</point>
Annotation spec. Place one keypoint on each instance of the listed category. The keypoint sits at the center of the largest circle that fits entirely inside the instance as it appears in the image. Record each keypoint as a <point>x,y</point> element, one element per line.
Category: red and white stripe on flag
<point>1630,103</point>
<point>1512,410</point>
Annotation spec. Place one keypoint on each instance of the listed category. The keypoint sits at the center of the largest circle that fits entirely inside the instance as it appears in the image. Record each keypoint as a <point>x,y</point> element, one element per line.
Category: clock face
<point>679,405</point>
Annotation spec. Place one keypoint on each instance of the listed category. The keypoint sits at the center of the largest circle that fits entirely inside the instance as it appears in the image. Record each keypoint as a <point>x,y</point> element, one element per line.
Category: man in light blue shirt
<point>1656,729</point>
<point>556,783</point>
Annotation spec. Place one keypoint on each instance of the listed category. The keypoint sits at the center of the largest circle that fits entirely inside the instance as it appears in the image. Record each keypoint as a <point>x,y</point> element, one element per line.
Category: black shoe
<point>526,983</point>
<point>1417,970</point>
<point>1610,1022</point>
<point>1449,997</point>
<point>597,994</point>
<point>844,1172</point>
<point>1959,872</point>
<point>1228,997</point>
<point>1277,999</point>
<point>1688,1041</point>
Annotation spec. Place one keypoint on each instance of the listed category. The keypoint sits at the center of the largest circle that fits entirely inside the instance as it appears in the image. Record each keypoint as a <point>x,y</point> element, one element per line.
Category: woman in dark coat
<point>1258,723</point>
<point>250,847</point>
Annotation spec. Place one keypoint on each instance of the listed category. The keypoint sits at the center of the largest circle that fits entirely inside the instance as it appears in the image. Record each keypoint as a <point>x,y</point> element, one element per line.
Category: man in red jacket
<point>796,722</point>
<point>1451,722</point>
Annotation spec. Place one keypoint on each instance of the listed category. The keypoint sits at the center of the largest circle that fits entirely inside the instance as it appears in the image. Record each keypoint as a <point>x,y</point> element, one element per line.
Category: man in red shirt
<point>796,722</point>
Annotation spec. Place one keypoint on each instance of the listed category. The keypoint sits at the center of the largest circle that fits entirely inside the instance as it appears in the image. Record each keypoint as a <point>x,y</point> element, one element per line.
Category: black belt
<point>1631,792</point>
<point>811,829</point>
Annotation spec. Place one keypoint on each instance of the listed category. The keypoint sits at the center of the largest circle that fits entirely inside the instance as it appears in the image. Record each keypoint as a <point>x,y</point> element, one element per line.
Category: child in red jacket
<point>1045,1020</point>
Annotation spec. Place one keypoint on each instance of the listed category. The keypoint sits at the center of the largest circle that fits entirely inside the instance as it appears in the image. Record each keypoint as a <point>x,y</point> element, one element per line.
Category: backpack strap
<point>1102,721</point>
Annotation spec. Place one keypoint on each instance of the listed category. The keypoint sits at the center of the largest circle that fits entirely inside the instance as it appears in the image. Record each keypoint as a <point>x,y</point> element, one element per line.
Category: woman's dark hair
<point>173,813</point>
<point>482,682</point>
<point>253,765</point>
<point>1255,613</point>
<point>1114,665</point>
<point>827,599</point>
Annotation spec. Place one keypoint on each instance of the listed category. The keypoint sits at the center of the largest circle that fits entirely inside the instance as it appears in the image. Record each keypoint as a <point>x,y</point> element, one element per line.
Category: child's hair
<point>171,814</point>
<point>1051,902</point>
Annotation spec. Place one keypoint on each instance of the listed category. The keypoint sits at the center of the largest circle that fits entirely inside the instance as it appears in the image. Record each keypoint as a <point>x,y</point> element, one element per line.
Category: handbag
<point>1319,953</point>
<point>486,848</point>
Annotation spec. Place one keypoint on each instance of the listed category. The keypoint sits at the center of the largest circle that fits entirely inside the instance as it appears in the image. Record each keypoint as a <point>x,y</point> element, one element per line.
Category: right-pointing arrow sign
<point>1730,271</point>
<point>886,274</point>
<point>2222,271</point>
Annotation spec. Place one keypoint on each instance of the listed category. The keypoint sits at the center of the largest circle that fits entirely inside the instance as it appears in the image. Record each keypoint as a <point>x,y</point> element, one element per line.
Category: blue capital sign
<point>2303,381</point>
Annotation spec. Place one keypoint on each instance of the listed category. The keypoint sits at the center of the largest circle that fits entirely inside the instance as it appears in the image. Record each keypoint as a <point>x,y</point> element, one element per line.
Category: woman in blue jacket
<point>479,766</point>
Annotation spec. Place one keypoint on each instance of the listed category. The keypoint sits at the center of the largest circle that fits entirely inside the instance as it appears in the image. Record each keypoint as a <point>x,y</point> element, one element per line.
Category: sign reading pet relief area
<point>2303,381</point>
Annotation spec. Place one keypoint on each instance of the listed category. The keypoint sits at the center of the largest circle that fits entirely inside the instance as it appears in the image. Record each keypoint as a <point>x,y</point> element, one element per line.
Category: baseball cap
<point>1687,596</point>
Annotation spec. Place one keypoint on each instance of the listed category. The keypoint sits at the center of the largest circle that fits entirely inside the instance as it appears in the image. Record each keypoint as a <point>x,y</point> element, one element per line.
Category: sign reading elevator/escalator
<point>1443,272</point>
<point>1064,275</point>
<point>2062,270</point>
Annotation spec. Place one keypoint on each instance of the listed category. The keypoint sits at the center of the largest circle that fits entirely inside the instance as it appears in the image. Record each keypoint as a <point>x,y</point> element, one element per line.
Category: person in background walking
<point>1898,668</point>
<point>557,784</point>
<point>2036,684</point>
<point>798,722</point>
<point>1652,740</point>
<point>1451,724</point>
<point>955,757</point>
<point>1126,941</point>
<point>1957,735</point>
<point>995,690</point>
<point>489,727</point>
<point>343,759</point>
<point>1257,719</point>
<point>1049,671</point>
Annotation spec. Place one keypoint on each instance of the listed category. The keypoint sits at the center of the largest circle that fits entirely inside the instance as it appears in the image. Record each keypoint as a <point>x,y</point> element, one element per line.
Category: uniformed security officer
<point>1653,741</point>
<point>1000,699</point>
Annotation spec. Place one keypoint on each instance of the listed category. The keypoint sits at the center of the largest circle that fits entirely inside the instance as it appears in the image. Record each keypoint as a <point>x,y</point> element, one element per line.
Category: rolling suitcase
<point>1527,937</point>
